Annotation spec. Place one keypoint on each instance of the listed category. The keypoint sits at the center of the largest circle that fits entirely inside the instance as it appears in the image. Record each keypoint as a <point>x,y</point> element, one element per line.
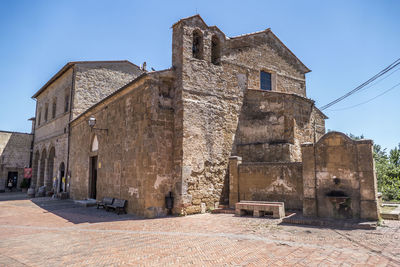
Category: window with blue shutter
<point>265,81</point>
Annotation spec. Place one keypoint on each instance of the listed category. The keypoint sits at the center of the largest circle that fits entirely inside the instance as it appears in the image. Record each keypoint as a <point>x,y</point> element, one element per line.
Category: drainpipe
<point>67,171</point>
<point>315,164</point>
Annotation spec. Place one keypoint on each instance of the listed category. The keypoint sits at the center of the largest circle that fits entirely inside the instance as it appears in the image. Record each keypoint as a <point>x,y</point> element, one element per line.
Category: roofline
<point>111,95</point>
<point>12,132</point>
<point>196,15</point>
<point>268,30</point>
<point>119,90</point>
<point>290,51</point>
<point>68,66</point>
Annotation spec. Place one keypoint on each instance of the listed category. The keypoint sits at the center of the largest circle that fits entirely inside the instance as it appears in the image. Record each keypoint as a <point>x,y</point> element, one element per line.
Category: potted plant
<point>24,185</point>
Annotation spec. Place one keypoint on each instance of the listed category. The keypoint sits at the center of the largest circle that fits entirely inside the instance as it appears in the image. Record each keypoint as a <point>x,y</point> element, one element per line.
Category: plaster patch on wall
<point>133,191</point>
<point>159,180</point>
<point>280,183</point>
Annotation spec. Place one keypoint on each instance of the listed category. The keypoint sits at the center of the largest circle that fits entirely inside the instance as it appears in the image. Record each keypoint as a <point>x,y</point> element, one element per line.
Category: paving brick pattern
<point>46,232</point>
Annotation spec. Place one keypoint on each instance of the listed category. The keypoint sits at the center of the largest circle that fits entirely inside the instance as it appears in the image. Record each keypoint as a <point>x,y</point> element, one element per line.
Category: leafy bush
<point>388,172</point>
<point>24,183</point>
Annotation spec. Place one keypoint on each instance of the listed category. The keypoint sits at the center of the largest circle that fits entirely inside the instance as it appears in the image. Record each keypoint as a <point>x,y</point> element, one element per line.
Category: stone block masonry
<point>339,178</point>
<point>15,149</point>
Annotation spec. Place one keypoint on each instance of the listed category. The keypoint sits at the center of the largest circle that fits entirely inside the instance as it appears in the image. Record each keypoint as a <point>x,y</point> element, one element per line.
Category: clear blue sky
<point>344,43</point>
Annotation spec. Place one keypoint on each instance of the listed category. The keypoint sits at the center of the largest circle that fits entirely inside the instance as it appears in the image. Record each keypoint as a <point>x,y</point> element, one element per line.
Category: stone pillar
<point>38,175</point>
<point>234,163</point>
<point>369,208</point>
<point>309,190</point>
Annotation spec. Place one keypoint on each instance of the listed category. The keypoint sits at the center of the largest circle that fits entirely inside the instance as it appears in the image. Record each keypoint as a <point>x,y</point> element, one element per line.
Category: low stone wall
<point>266,181</point>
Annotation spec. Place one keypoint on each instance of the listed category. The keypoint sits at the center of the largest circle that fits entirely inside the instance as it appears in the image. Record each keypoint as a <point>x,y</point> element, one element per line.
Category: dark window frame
<point>54,108</point>
<point>265,81</point>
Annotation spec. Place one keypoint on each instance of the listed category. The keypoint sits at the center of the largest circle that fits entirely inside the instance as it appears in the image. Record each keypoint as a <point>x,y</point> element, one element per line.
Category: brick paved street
<point>46,232</point>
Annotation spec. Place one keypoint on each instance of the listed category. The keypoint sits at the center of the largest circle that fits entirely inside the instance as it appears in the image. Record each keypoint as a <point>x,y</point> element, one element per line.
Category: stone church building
<point>225,102</point>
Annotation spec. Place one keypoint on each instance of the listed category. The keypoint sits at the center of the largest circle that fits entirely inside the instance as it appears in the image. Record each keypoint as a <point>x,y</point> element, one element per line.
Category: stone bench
<point>259,208</point>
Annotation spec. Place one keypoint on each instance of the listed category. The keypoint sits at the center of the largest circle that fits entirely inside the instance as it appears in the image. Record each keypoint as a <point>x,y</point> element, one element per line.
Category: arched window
<point>197,47</point>
<point>95,144</point>
<point>215,50</point>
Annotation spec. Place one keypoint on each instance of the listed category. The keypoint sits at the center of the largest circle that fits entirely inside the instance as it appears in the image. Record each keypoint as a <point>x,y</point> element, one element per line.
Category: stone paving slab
<point>49,232</point>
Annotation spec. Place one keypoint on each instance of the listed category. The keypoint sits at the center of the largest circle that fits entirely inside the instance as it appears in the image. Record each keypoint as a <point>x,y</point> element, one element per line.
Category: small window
<point>39,116</point>
<point>197,47</point>
<point>54,108</point>
<point>66,105</point>
<point>265,81</point>
<point>215,50</point>
<point>46,112</point>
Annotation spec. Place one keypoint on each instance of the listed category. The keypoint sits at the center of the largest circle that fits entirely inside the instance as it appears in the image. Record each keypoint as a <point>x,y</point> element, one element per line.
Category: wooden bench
<point>106,201</point>
<point>260,208</point>
<point>118,206</point>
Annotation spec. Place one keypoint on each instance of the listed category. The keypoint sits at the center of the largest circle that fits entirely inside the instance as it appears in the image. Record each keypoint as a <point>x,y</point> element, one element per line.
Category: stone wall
<point>96,80</point>
<point>82,85</point>
<point>15,149</point>
<point>135,155</point>
<point>53,133</point>
<point>266,181</point>
<point>209,100</point>
<point>339,178</point>
<point>272,126</point>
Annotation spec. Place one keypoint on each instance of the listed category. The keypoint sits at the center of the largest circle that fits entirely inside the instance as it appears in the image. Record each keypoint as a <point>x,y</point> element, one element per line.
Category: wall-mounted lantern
<point>92,123</point>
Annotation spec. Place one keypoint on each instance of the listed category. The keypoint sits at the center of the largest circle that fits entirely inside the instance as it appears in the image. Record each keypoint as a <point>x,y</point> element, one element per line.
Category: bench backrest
<point>108,200</point>
<point>260,202</point>
<point>119,202</point>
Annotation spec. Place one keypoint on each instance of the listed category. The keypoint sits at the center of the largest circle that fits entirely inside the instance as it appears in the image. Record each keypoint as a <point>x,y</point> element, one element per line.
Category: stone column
<point>38,175</point>
<point>309,191</point>
<point>234,163</point>
<point>368,185</point>
<point>45,174</point>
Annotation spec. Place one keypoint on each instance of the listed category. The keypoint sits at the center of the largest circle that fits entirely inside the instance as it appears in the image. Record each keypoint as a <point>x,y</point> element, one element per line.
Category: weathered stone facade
<point>339,178</point>
<point>135,152</point>
<point>15,151</point>
<point>77,86</point>
<point>174,130</point>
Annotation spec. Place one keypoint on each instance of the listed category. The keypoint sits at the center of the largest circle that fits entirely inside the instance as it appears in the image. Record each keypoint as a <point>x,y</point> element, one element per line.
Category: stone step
<point>297,218</point>
<point>223,210</point>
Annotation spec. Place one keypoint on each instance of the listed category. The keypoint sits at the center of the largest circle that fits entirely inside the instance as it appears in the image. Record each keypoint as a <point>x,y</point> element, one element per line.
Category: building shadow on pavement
<point>77,214</point>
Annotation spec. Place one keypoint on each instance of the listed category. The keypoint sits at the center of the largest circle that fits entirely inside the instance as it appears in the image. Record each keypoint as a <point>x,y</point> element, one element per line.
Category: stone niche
<point>339,178</point>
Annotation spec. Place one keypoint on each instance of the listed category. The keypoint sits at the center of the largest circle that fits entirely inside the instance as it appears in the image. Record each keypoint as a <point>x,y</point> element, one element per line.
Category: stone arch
<point>42,168</point>
<point>215,50</point>
<point>335,135</point>
<point>50,169</point>
<point>197,44</point>
<point>35,168</point>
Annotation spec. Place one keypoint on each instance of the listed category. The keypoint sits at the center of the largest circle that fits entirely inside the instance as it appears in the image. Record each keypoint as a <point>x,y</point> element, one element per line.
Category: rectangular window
<point>46,112</point>
<point>54,108</point>
<point>66,106</point>
<point>40,116</point>
<point>265,81</point>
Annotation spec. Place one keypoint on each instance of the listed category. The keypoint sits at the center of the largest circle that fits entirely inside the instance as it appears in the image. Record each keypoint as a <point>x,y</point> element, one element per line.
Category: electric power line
<point>358,88</point>
<point>369,100</point>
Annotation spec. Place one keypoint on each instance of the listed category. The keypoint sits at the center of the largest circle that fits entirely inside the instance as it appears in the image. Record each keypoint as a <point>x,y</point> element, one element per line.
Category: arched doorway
<point>42,169</point>
<point>93,168</point>
<point>50,169</point>
<point>61,178</point>
<point>35,169</point>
